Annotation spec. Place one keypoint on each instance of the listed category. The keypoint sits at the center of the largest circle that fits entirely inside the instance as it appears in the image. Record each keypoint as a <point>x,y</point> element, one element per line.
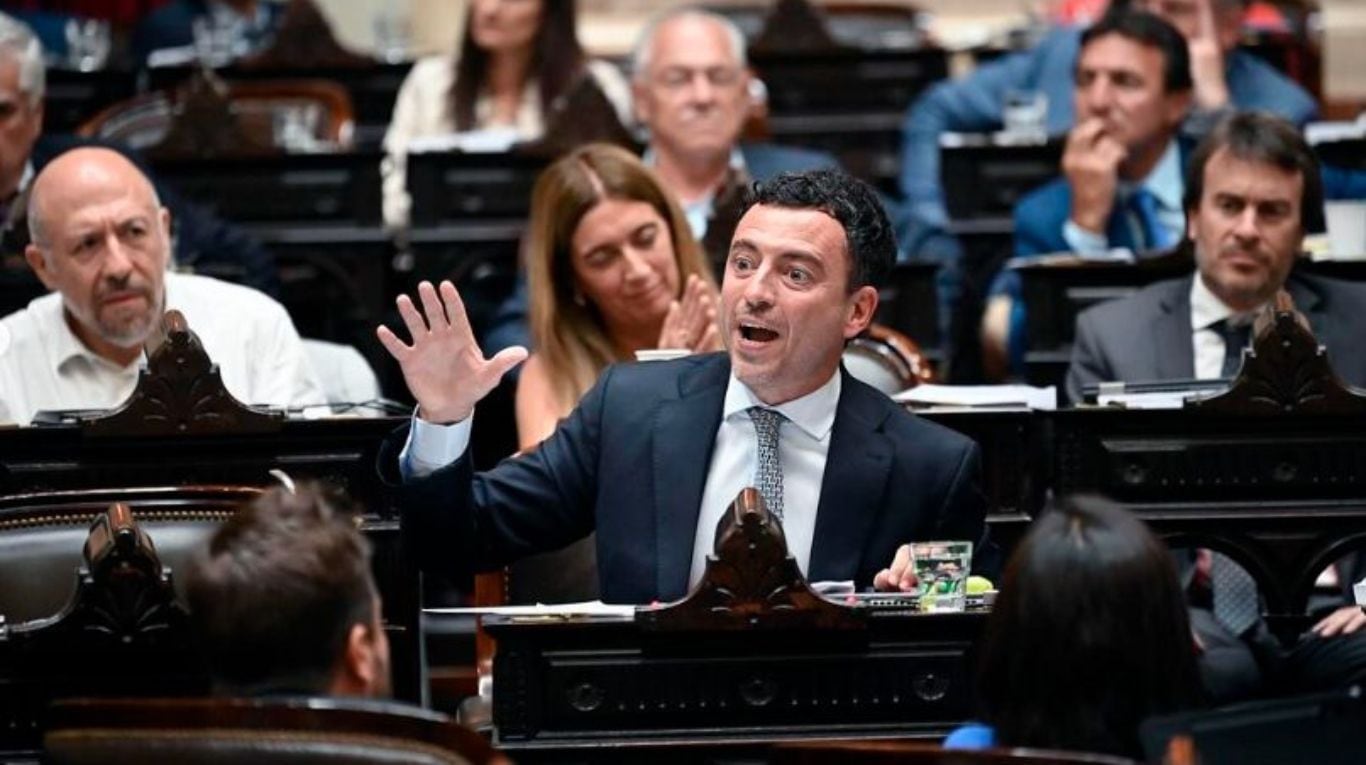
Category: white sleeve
<point>431,446</point>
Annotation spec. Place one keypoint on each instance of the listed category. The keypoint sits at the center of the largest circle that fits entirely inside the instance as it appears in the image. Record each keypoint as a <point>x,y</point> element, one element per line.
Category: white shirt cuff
<point>1083,242</point>
<point>431,447</point>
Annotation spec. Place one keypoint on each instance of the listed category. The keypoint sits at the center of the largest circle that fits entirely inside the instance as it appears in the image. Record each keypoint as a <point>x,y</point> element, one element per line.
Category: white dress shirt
<point>1208,346</point>
<point>698,211</point>
<point>43,365</point>
<point>803,443</point>
<point>1166,185</point>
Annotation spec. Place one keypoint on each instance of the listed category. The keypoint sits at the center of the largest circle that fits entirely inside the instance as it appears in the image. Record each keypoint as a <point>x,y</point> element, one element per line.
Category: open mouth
<point>757,334</point>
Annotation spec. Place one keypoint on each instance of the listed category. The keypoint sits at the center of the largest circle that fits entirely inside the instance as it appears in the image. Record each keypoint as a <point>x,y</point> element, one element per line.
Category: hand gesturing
<point>444,368</point>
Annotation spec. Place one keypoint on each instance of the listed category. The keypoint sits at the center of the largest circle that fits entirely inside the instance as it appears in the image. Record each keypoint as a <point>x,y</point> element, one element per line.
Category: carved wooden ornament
<point>1285,371</point>
<point>750,582</point>
<point>181,393</point>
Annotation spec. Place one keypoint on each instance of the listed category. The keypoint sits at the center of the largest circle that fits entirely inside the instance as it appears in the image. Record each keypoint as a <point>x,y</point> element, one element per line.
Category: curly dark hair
<point>852,203</point>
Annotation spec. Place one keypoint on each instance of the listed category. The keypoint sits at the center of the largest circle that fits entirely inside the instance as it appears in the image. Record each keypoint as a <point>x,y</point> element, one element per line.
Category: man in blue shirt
<point>1121,181</point>
<point>1224,77</point>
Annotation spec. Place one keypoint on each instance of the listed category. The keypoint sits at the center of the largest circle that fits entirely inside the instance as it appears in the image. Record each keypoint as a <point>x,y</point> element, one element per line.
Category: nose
<point>1245,225</point>
<point>758,292</point>
<point>118,261</point>
<point>700,88</point>
<point>1098,97</point>
<point>637,267</point>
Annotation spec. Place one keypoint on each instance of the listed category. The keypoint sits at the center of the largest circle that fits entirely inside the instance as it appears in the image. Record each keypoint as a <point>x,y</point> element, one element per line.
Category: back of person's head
<point>1148,30</point>
<point>557,60</point>
<point>284,602</point>
<point>19,45</point>
<point>852,203</point>
<point>566,329</point>
<point>1089,635</point>
<point>1260,138</point>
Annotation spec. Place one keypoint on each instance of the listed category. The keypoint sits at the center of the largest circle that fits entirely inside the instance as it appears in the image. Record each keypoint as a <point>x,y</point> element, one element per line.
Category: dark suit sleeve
<point>1089,365</point>
<point>212,246</point>
<point>458,521</point>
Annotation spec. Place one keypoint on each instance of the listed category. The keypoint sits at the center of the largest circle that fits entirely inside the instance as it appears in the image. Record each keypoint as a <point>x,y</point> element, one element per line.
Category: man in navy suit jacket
<point>656,451</point>
<point>1225,78</point>
<point>1121,183</point>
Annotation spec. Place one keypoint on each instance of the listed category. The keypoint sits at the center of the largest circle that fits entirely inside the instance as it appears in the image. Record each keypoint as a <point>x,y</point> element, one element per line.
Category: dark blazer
<point>1041,214</point>
<point>1147,336</point>
<point>631,462</point>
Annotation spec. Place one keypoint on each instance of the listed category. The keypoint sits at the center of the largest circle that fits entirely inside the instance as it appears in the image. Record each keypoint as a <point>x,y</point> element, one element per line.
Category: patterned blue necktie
<point>768,470</point>
<point>1236,604</point>
<point>1155,235</point>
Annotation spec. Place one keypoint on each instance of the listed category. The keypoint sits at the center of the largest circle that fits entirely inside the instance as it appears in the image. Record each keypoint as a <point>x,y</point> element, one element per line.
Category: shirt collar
<point>65,345</point>
<point>1207,308</point>
<point>814,413</point>
<point>1164,181</point>
<point>737,157</point>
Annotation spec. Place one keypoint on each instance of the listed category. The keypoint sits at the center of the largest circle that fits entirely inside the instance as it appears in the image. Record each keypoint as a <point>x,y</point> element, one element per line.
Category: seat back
<point>42,537</point>
<point>260,731</point>
<point>887,360</point>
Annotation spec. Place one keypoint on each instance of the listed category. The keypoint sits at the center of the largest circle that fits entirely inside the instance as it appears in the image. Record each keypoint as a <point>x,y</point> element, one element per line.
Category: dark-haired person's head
<point>801,279</point>
<point>540,34</point>
<point>1133,74</point>
<point>1089,635</point>
<point>284,602</point>
<point>1253,187</point>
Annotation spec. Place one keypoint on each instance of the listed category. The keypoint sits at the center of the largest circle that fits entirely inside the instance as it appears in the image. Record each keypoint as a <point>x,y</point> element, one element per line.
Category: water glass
<point>87,44</point>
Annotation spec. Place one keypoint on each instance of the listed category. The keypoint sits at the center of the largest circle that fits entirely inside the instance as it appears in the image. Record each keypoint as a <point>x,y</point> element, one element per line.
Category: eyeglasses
<point>678,77</point>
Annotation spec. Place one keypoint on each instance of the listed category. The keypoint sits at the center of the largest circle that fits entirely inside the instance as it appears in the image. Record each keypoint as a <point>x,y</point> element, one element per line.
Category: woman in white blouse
<point>516,59</point>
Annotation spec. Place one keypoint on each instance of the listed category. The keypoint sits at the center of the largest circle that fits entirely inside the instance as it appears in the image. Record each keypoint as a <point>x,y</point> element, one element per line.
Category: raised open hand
<point>691,320</point>
<point>1207,59</point>
<point>444,368</point>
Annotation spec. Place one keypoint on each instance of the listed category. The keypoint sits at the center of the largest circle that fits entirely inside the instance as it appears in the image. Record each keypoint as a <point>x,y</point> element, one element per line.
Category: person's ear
<point>38,262</point>
<point>862,305</point>
<point>640,101</point>
<point>358,674</point>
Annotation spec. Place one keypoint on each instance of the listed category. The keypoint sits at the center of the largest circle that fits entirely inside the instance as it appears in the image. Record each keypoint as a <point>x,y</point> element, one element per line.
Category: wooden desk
<point>569,687</point>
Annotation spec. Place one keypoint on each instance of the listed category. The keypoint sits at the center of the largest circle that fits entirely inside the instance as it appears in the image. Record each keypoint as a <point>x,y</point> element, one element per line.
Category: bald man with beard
<point>102,246</point>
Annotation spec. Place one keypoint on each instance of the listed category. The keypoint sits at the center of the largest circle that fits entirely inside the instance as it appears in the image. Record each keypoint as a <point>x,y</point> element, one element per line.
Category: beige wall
<point>1344,50</point>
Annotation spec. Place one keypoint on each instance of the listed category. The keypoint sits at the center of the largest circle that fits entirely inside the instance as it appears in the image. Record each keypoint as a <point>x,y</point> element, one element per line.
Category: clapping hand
<point>691,320</point>
<point>443,367</point>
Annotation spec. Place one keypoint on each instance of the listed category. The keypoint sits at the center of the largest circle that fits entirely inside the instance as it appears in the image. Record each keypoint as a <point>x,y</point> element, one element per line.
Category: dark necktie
<point>1155,235</point>
<point>768,470</point>
<point>1235,337</point>
<point>1236,604</point>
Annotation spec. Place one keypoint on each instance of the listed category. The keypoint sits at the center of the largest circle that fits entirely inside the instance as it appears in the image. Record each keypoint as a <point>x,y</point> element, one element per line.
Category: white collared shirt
<point>1208,345</point>
<point>1166,185</point>
<point>803,443</point>
<point>44,366</point>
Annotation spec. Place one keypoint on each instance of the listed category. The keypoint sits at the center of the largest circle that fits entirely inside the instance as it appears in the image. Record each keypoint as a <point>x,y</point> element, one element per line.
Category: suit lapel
<point>1173,351</point>
<point>684,434</point>
<point>856,469</point>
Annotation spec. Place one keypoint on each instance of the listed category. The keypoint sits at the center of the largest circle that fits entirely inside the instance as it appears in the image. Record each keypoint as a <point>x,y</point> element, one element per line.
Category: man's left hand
<point>1344,621</point>
<point>898,577</point>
